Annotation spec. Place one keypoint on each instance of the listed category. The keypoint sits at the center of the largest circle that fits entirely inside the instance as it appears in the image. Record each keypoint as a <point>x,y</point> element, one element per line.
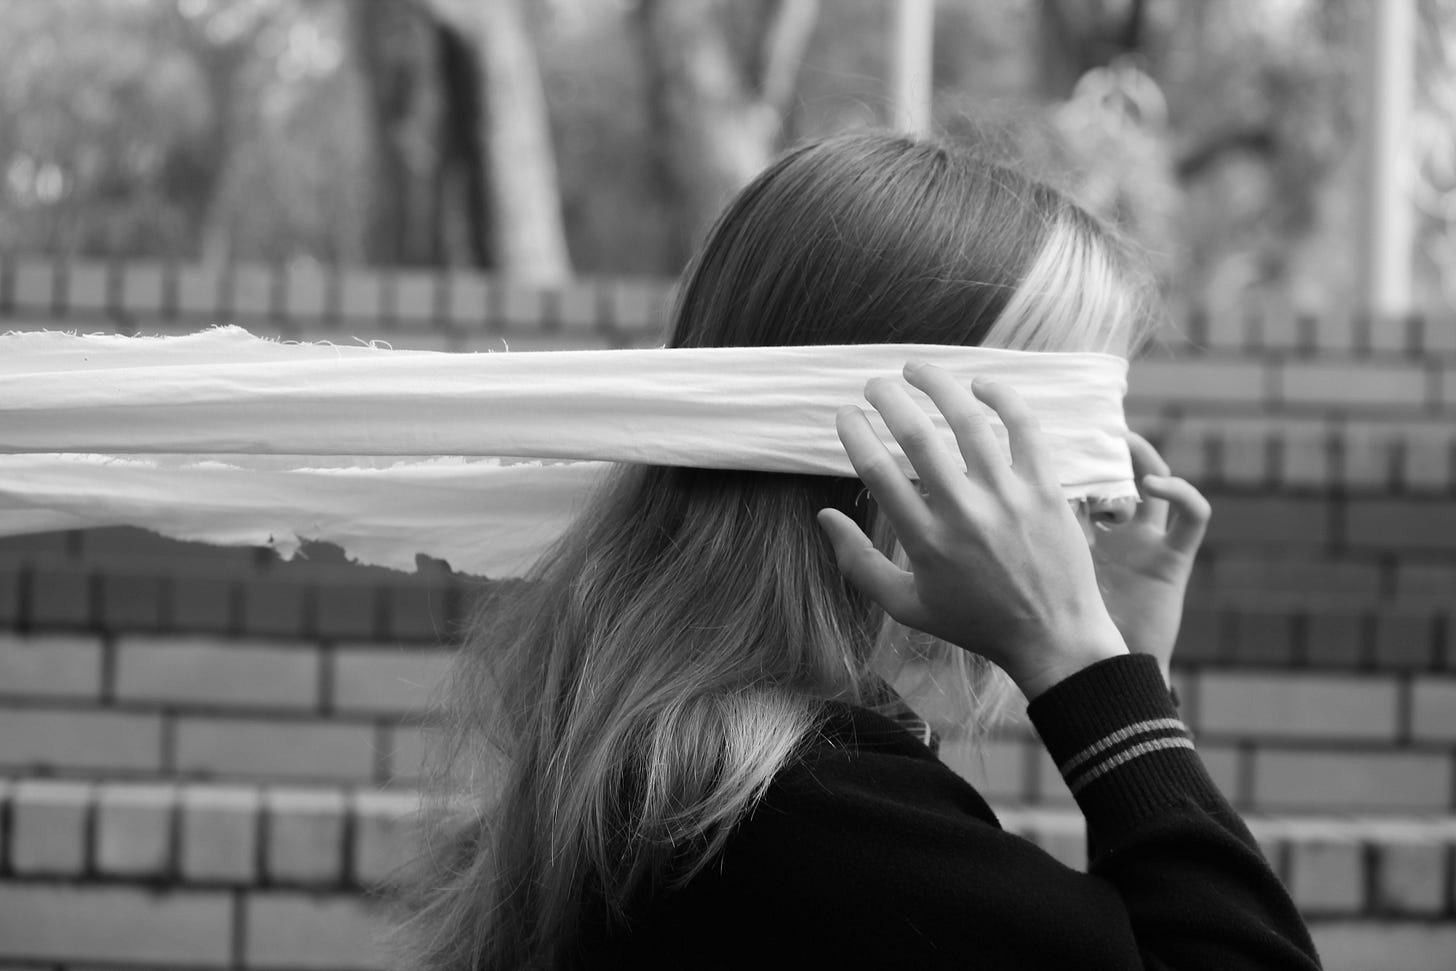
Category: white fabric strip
<point>230,438</point>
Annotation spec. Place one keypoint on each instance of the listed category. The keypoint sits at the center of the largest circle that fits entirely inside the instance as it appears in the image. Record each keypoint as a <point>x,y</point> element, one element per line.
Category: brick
<point>1341,781</point>
<point>404,755</point>
<point>997,768</point>
<point>1353,385</point>
<point>1247,460</point>
<point>1410,878</point>
<point>1371,462</point>
<point>118,546</point>
<point>639,305</point>
<point>272,607</point>
<point>1049,787</point>
<point>385,837</point>
<point>1334,640</point>
<point>1305,460</point>
<point>9,596</point>
<point>201,670</point>
<point>27,546</point>
<point>35,285</point>
<point>305,836</point>
<point>1433,708</point>
<point>1280,705</point>
<point>52,739</point>
<point>1067,847</point>
<point>521,305</point>
<point>88,288</point>
<point>1262,637</point>
<point>1227,329</point>
<point>305,292</point>
<point>134,829</point>
<point>468,300</point>
<point>144,287</point>
<point>1200,636</point>
<point>1405,641</point>
<point>346,610</point>
<point>1225,766</point>
<point>50,665</point>
<point>1393,333</point>
<point>374,679</point>
<point>219,834</point>
<point>1438,332</point>
<point>1359,945</point>
<point>302,931</point>
<point>1393,524</point>
<point>199,292</point>
<point>1346,579</point>
<point>48,827</point>
<point>418,612</point>
<point>200,605</point>
<point>1267,521</point>
<point>361,295</point>
<point>61,597</point>
<point>1186,453</point>
<point>1326,877</point>
<point>1199,380</point>
<point>233,747</point>
<point>252,286</point>
<point>129,603</point>
<point>1334,330</point>
<point>1420,582</point>
<point>414,296</point>
<point>110,924</point>
<point>578,305</point>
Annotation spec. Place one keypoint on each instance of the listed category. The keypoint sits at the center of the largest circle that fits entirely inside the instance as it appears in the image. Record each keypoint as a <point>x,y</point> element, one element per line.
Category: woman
<point>700,762</point>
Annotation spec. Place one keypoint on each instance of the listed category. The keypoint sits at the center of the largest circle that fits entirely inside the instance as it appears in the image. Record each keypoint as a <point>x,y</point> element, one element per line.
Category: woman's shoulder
<point>861,762</point>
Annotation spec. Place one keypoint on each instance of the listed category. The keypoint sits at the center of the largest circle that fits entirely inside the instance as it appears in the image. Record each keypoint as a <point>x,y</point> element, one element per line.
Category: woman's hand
<point>1143,565</point>
<point>998,562</point>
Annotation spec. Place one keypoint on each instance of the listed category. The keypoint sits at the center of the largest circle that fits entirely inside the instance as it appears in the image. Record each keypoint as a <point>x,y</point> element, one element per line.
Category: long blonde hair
<point>610,719</point>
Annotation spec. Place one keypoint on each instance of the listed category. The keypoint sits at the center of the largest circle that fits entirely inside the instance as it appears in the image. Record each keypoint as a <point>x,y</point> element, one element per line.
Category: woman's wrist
<point>1073,655</point>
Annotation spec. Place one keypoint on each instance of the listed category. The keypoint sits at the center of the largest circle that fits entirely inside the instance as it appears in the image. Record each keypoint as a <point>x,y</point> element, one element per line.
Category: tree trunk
<point>396,54</point>
<point>527,228</point>
<point>718,112</point>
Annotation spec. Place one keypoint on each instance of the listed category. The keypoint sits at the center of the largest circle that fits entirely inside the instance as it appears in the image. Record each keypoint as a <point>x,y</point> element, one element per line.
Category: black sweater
<point>869,852</point>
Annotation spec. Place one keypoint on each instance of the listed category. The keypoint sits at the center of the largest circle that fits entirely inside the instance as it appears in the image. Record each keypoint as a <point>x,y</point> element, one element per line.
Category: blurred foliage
<point>1221,134</point>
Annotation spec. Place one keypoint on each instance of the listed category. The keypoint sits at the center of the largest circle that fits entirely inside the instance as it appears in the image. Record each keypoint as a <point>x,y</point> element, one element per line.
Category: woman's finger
<point>934,464</point>
<point>1146,461</point>
<point>968,419</point>
<point>1189,511</point>
<point>1029,454</point>
<point>877,469</point>
<point>870,571</point>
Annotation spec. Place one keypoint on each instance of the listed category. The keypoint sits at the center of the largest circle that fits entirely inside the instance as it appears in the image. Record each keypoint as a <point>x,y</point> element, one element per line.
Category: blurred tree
<point>720,78</point>
<point>218,36</point>
<point>525,201</point>
<point>1434,134</point>
<point>429,203</point>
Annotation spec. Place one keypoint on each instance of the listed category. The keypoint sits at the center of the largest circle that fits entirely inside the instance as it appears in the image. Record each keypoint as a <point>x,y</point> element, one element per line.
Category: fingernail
<point>911,367</point>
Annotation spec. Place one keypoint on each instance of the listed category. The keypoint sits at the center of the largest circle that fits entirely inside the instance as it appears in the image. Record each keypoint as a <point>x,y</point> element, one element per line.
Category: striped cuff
<point>1123,745</point>
<point>1119,744</point>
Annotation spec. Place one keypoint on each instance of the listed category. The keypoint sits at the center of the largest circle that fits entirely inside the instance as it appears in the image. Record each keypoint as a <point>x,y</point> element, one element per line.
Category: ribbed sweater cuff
<point>1117,740</point>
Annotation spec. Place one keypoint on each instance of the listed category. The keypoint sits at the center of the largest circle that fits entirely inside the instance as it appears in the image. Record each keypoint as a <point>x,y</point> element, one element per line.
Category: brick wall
<point>207,755</point>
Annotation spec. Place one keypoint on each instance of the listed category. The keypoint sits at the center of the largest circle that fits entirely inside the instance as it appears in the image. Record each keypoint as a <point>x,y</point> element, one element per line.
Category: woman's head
<point>879,238</point>
<point>677,644</point>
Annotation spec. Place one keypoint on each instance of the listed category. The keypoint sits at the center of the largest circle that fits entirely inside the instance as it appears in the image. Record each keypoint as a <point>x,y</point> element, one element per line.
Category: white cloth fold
<point>224,437</point>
